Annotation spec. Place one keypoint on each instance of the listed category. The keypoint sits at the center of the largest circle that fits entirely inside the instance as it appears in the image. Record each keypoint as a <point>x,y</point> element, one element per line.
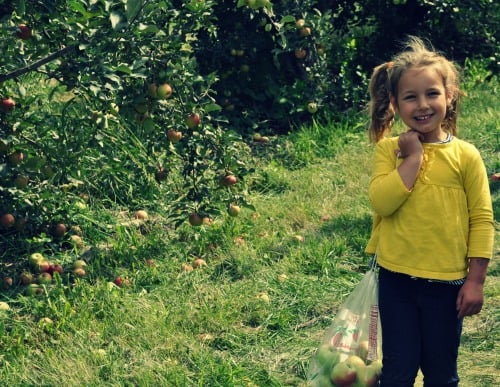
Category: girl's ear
<point>449,97</point>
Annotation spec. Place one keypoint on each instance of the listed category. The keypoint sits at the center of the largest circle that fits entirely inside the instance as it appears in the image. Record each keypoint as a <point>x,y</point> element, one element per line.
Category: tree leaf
<point>132,8</point>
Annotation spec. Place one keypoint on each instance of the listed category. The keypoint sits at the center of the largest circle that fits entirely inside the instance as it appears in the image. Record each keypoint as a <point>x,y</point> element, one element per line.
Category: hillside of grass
<point>273,280</point>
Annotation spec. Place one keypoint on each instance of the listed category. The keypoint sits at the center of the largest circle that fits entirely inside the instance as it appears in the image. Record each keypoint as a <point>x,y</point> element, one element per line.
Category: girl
<point>433,224</point>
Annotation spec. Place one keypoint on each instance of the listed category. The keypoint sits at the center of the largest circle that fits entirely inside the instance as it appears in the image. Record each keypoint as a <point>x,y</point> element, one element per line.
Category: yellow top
<point>430,231</point>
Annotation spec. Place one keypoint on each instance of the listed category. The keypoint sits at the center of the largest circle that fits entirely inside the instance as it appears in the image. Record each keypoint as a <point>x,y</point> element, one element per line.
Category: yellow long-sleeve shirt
<point>430,231</point>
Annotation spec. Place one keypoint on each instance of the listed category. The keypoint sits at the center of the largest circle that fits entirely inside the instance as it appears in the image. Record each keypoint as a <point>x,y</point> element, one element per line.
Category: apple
<point>199,263</point>
<point>7,282</point>
<point>59,229</point>
<point>141,215</point>
<point>327,356</point>
<point>153,90</point>
<point>43,267</point>
<point>300,23</point>
<point>79,264</point>
<point>118,281</point>
<point>150,262</point>
<point>193,120</point>
<point>76,241</point>
<point>187,267</point>
<point>55,268</point>
<point>164,91</point>
<point>207,221</point>
<point>7,220</point>
<point>355,361</point>
<point>21,181</point>
<point>228,180</point>
<point>79,271</point>
<point>174,136</point>
<point>44,278</point>
<point>4,306</point>
<point>35,259</point>
<point>26,278</point>
<point>34,290</point>
<point>312,107</point>
<point>234,210</point>
<point>251,4</point>
<point>8,104</point>
<point>161,174</point>
<point>495,177</point>
<point>343,374</point>
<point>300,53</point>
<point>195,219</point>
<point>24,32</point>
<point>305,31</point>
<point>367,377</point>
<point>16,158</point>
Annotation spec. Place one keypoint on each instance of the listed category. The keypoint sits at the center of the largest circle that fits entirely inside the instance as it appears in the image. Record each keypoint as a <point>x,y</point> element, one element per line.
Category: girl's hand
<point>410,143</point>
<point>470,299</point>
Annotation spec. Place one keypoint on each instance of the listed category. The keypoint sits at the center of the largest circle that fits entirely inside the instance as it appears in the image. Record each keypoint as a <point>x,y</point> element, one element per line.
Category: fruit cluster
<point>338,369</point>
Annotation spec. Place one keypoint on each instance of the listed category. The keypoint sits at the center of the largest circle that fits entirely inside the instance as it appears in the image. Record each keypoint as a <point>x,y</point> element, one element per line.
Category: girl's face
<point>422,101</point>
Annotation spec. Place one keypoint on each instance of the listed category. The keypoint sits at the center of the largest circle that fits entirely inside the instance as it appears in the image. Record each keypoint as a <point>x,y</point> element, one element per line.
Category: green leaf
<point>212,107</point>
<point>132,8</point>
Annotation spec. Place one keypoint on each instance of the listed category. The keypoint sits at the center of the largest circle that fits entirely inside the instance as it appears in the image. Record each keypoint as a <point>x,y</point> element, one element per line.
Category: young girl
<point>433,225</point>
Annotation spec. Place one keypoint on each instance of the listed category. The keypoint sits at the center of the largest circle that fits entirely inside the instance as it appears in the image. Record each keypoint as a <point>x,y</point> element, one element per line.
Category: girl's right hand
<point>410,143</point>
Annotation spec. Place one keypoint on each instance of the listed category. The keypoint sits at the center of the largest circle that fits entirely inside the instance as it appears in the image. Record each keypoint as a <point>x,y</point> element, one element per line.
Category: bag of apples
<point>350,353</point>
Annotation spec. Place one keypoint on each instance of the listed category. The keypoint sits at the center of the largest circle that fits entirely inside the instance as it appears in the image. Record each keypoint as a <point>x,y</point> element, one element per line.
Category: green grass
<point>302,248</point>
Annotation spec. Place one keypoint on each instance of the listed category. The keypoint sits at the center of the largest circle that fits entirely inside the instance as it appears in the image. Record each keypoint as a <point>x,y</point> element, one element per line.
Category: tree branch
<point>37,64</point>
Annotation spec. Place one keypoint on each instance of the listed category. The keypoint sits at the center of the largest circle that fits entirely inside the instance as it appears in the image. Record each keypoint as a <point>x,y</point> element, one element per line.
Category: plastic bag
<point>350,353</point>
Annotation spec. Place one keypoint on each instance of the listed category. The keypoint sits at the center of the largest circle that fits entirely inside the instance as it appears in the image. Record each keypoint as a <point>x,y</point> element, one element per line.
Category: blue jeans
<point>420,329</point>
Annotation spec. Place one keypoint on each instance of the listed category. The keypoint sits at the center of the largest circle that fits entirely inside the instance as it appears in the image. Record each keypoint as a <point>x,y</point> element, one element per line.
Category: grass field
<point>273,280</point>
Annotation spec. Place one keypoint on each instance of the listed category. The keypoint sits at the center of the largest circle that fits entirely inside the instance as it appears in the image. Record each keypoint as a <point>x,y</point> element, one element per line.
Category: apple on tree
<point>24,32</point>
<point>312,107</point>
<point>193,120</point>
<point>7,221</point>
<point>8,104</point>
<point>164,91</point>
<point>174,136</point>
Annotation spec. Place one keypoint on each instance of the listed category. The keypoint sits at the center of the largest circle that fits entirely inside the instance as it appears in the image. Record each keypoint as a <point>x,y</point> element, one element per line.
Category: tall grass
<point>273,281</point>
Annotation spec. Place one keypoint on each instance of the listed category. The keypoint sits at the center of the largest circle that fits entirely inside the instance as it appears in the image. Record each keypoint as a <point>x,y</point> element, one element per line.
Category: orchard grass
<point>273,281</point>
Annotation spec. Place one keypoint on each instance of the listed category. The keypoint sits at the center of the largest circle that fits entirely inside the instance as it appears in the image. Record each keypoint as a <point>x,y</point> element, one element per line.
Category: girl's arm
<point>412,151</point>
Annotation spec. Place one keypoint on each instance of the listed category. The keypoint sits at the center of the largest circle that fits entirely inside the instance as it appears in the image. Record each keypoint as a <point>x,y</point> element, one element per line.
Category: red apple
<point>195,219</point>
<point>43,267</point>
<point>16,158</point>
<point>118,281</point>
<point>79,271</point>
<point>59,229</point>
<point>7,221</point>
<point>7,282</point>
<point>174,136</point>
<point>343,375</point>
<point>164,91</point>
<point>161,174</point>
<point>228,180</point>
<point>305,31</point>
<point>495,177</point>
<point>367,377</point>
<point>8,104</point>
<point>55,268</point>
<point>300,53</point>
<point>24,32</point>
<point>193,120</point>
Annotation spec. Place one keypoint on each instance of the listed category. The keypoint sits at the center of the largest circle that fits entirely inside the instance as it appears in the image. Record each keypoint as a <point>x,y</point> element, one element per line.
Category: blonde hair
<point>385,79</point>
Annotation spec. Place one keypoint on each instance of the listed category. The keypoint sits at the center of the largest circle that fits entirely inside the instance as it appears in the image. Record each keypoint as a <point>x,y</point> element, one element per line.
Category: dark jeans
<point>420,329</point>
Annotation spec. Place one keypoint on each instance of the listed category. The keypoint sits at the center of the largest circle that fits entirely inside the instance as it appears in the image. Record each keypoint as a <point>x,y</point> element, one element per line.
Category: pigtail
<point>380,110</point>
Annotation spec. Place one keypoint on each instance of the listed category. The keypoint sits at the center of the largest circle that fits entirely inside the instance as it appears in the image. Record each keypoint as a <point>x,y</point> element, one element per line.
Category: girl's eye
<point>408,97</point>
<point>434,93</point>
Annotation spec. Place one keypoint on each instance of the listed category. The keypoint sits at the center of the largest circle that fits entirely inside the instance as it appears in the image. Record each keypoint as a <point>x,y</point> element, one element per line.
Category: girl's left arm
<point>471,296</point>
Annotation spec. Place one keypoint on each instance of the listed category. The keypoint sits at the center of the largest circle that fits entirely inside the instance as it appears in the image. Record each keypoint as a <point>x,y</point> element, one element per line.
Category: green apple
<point>44,278</point>
<point>79,263</point>
<point>4,306</point>
<point>312,107</point>
<point>234,210</point>
<point>355,361</point>
<point>35,259</point>
<point>164,91</point>
<point>327,356</point>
